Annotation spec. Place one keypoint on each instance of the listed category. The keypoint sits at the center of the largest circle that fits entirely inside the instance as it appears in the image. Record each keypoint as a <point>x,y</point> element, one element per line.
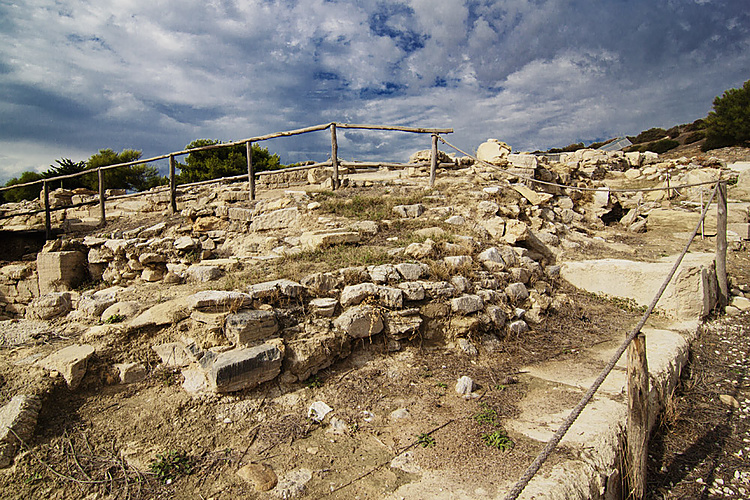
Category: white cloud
<point>81,75</point>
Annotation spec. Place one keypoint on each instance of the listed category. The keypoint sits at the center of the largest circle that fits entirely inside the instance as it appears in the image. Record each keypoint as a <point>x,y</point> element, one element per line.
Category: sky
<point>80,76</point>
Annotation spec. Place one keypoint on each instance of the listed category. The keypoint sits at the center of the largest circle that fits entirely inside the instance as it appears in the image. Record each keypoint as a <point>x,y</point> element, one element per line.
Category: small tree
<point>729,123</point>
<point>66,166</point>
<point>27,192</point>
<point>223,162</point>
<point>135,177</point>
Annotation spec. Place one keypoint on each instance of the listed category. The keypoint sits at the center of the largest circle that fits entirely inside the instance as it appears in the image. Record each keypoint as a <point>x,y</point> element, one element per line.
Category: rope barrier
<point>575,188</point>
<point>555,440</point>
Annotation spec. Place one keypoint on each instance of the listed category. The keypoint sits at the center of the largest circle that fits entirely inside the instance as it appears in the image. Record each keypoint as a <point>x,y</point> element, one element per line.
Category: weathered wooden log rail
<point>250,176</point>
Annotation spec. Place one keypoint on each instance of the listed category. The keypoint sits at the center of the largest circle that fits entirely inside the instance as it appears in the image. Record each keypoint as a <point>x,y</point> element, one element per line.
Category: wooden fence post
<point>637,423</point>
<point>172,185</point>
<point>250,169</point>
<point>334,156</point>
<point>721,244</point>
<point>102,217</point>
<point>433,159</point>
<point>47,218</point>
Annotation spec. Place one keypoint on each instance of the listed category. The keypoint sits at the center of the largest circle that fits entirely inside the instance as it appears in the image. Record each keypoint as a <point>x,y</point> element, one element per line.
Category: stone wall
<point>18,286</point>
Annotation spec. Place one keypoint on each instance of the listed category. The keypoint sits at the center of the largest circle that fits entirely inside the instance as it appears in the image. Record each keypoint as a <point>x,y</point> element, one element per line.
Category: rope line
<point>555,440</point>
<point>554,184</point>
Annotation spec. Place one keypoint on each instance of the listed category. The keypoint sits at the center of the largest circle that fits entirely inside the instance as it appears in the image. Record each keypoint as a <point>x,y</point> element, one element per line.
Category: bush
<point>662,146</point>
<point>649,135</point>
<point>694,137</point>
<point>223,162</point>
<point>27,192</point>
<point>698,124</point>
<point>729,123</point>
<point>673,132</point>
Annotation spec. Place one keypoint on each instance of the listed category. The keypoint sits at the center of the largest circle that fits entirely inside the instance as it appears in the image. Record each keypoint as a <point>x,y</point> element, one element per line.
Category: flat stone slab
<point>314,240</point>
<point>692,293</point>
<point>246,327</point>
<point>71,362</point>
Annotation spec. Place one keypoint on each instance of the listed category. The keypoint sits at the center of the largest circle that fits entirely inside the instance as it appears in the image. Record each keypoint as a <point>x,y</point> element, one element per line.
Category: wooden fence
<point>250,176</point>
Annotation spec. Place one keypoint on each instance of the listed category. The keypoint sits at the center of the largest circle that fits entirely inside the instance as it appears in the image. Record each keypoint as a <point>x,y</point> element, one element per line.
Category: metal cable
<point>552,444</point>
<point>546,183</point>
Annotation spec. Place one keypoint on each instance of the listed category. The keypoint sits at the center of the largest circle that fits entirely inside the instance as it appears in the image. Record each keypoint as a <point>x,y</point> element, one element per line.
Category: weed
<point>498,439</point>
<point>171,465</point>
<point>487,415</point>
<point>425,440</point>
<point>115,318</point>
<point>314,382</point>
<point>500,387</point>
<point>442,385</point>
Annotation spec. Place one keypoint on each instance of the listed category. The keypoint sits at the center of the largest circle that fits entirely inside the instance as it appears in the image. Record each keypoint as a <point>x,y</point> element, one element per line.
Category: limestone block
<point>219,300</point>
<point>321,283</point>
<point>307,356</point>
<point>247,367</point>
<point>58,271</point>
<point>324,307</point>
<point>130,373</point>
<point>532,196</point>
<point>354,294</point>
<point>421,250</point>
<point>17,420</point>
<point>517,292</point>
<point>241,214</point>
<point>49,306</point>
<point>384,273</point>
<point>410,271</point>
<point>270,290</point>
<point>278,219</point>
<point>409,211</point>
<point>198,273</point>
<point>360,321</point>
<point>169,312</point>
<point>692,294</point>
<point>494,152</point>
<point>391,297</point>
<point>71,362</point>
<point>413,291</point>
<point>185,244</point>
<point>438,289</point>
<point>403,326</point>
<point>174,354</point>
<point>467,304</point>
<point>522,160</point>
<point>313,240</point>
<point>250,326</point>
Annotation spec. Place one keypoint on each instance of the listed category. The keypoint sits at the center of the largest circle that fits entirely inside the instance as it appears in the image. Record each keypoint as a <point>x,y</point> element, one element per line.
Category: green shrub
<point>649,135</point>
<point>695,137</point>
<point>663,145</point>
<point>673,132</point>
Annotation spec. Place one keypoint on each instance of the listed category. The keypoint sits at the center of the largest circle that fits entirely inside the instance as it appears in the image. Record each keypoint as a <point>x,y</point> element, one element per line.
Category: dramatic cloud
<point>78,76</point>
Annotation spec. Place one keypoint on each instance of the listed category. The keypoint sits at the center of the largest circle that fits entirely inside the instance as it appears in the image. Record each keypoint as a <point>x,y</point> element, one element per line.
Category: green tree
<point>27,192</point>
<point>729,123</point>
<point>66,166</point>
<point>135,178</point>
<point>223,162</point>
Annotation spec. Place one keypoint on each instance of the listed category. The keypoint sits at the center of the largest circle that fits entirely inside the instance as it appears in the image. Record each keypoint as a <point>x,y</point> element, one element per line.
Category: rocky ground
<point>395,413</point>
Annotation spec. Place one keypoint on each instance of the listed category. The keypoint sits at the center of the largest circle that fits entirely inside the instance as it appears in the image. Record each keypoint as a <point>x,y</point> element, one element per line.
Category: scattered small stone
<point>262,476</point>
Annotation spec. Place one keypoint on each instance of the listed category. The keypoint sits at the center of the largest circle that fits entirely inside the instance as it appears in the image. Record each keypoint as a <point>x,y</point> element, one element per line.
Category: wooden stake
<point>250,170</point>
<point>47,218</point>
<point>172,185</point>
<point>334,156</point>
<point>102,216</point>
<point>433,159</point>
<point>721,244</point>
<point>637,424</point>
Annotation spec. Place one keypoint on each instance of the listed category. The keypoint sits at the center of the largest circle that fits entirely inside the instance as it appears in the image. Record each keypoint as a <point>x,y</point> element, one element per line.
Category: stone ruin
<point>234,339</point>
